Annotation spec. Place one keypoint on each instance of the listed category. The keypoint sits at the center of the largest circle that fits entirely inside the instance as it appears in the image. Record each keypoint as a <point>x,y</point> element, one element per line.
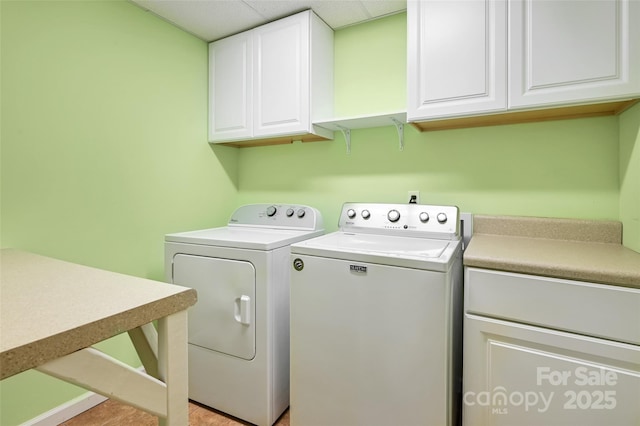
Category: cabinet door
<point>281,69</point>
<point>456,57</point>
<point>563,52</point>
<point>230,113</point>
<point>516,374</point>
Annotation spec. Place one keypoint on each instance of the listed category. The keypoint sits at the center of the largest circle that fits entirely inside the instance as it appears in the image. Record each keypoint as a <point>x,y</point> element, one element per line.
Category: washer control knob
<point>289,212</point>
<point>442,217</point>
<point>366,214</point>
<point>351,213</point>
<point>424,217</point>
<point>300,213</point>
<point>393,215</point>
<point>271,210</point>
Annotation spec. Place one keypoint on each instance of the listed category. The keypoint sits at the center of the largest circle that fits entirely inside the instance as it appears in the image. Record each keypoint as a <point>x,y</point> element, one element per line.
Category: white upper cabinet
<point>573,51</point>
<point>281,91</point>
<point>230,88</point>
<point>456,57</point>
<point>479,57</point>
<point>270,84</point>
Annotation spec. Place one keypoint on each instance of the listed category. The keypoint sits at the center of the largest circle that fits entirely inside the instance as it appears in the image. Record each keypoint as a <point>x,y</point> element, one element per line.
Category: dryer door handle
<point>242,311</point>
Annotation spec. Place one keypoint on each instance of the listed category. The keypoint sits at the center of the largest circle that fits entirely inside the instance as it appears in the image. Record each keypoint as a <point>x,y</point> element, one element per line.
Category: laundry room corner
<point>228,158</point>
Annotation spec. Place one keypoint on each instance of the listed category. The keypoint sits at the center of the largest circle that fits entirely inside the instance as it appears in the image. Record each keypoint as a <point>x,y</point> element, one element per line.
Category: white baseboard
<point>66,411</point>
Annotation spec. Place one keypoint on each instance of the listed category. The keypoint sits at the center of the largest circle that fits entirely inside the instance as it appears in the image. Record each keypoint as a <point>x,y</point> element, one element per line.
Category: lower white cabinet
<point>542,351</point>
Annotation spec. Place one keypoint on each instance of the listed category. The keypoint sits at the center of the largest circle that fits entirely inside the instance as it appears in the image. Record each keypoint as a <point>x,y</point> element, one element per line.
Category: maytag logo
<point>298,264</point>
<point>358,268</point>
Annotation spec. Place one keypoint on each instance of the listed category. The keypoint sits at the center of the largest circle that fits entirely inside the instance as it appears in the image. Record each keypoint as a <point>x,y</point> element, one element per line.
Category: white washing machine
<point>376,317</point>
<point>239,329</point>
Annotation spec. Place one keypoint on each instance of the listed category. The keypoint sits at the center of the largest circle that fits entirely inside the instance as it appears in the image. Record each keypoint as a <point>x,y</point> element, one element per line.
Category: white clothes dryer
<point>239,329</point>
<point>376,319</point>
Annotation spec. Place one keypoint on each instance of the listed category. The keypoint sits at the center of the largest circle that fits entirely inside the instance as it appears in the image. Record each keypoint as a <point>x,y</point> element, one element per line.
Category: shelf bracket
<point>400,129</point>
<point>347,137</point>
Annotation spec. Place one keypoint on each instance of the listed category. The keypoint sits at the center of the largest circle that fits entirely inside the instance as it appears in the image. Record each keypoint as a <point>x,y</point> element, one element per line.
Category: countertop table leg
<point>173,367</point>
<point>166,397</point>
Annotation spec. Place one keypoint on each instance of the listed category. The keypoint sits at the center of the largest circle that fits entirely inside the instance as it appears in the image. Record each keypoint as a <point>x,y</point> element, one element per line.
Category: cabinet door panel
<point>573,51</point>
<point>281,93</point>
<point>521,375</point>
<point>457,57</point>
<point>550,302</point>
<point>230,114</point>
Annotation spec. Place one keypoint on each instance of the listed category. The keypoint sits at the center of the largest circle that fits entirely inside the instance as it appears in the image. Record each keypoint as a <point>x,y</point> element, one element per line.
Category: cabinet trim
<point>538,115</point>
<point>279,140</point>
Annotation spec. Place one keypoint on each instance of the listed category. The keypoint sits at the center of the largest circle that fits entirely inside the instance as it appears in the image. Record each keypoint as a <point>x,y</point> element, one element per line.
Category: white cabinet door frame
<point>456,57</point>
<point>567,52</point>
<point>281,75</point>
<point>230,88</point>
<point>517,374</point>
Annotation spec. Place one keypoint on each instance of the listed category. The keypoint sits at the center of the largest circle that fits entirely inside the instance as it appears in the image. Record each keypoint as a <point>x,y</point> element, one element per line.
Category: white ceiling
<point>214,19</point>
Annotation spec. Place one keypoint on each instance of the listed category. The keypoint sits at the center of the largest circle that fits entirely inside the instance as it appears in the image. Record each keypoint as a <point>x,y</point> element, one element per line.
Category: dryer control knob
<point>424,217</point>
<point>351,213</point>
<point>393,215</point>
<point>289,212</point>
<point>366,214</point>
<point>301,213</point>
<point>442,217</point>
<point>271,210</point>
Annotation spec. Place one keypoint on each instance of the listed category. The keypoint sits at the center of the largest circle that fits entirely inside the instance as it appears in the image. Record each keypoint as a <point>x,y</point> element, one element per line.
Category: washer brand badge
<point>359,269</point>
<point>298,264</point>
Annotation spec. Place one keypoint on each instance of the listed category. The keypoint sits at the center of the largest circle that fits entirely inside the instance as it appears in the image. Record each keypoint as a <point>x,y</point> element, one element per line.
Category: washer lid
<point>409,252</point>
<point>242,237</point>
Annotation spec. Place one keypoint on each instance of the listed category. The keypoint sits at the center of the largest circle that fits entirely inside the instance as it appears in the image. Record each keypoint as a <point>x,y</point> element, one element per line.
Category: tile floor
<point>113,413</point>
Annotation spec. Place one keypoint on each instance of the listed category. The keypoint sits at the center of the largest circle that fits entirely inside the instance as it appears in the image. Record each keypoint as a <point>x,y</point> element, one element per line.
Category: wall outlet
<point>414,197</point>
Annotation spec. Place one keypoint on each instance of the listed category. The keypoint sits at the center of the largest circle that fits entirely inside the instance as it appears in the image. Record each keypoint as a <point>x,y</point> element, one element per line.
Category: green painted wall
<point>104,150</point>
<point>630,177</point>
<point>370,67</point>
<point>562,168</point>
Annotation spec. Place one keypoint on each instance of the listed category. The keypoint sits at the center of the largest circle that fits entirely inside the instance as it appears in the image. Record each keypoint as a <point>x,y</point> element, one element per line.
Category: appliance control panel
<point>418,220</point>
<point>276,216</point>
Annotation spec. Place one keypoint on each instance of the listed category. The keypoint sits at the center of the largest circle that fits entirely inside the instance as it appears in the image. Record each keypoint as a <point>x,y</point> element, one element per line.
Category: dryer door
<point>223,319</point>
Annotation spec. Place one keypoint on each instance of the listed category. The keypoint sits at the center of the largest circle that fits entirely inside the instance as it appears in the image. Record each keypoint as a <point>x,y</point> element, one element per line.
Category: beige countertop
<point>562,248</point>
<point>50,308</point>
